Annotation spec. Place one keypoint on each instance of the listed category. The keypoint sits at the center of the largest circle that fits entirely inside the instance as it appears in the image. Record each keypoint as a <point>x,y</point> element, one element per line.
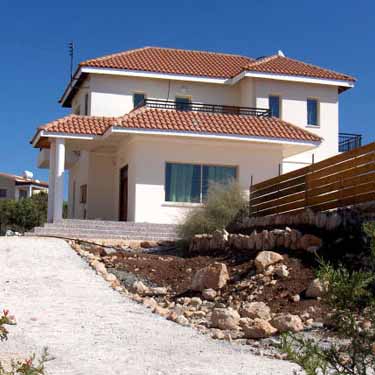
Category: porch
<point>118,166</point>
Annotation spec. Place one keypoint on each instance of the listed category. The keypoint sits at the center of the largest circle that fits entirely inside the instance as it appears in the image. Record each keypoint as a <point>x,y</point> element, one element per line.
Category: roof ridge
<point>202,51</point>
<point>317,67</point>
<point>262,60</point>
<point>127,52</point>
<point>273,57</point>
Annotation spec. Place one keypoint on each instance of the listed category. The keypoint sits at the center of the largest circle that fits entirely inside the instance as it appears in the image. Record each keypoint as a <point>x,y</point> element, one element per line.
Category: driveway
<point>60,302</point>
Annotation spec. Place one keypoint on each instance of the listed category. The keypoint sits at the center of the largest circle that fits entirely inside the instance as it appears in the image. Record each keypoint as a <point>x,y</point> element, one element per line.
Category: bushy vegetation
<point>223,204</point>
<point>350,297</point>
<point>29,366</point>
<point>24,214</point>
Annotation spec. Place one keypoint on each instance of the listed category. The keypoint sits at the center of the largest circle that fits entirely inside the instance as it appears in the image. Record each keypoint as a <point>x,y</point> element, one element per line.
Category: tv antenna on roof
<point>71,54</point>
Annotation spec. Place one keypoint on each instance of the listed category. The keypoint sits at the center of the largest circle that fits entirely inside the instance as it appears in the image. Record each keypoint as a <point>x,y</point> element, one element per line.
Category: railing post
<point>251,186</point>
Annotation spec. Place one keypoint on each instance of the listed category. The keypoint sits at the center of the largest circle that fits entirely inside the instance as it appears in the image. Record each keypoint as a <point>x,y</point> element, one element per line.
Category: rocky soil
<point>247,297</point>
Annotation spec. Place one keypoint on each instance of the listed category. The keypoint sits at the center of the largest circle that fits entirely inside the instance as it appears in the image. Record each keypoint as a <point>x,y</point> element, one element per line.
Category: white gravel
<point>60,302</point>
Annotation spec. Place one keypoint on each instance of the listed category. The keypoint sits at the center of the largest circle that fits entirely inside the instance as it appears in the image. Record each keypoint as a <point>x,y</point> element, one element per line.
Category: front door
<point>124,194</point>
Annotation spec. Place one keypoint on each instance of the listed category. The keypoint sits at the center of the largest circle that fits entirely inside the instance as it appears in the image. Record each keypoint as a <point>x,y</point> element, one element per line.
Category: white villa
<point>151,127</point>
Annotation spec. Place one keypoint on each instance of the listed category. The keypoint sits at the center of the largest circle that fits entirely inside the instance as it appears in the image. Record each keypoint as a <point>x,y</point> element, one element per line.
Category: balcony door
<point>123,216</point>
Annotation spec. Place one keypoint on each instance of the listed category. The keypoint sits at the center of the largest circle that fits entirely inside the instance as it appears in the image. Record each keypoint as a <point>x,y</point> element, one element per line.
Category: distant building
<point>18,187</point>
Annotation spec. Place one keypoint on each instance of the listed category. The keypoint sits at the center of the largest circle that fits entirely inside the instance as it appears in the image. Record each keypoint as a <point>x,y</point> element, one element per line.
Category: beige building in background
<point>151,128</point>
<point>18,187</point>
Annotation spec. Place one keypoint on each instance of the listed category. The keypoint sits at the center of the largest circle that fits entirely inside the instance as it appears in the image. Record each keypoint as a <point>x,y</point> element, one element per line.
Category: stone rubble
<point>214,276</point>
<point>234,321</point>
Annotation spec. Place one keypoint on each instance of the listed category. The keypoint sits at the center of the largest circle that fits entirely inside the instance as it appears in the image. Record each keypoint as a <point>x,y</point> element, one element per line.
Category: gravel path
<point>59,302</point>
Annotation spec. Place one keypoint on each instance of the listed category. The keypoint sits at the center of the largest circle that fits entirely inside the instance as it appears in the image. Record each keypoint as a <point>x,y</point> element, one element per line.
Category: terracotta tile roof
<point>174,61</point>
<point>75,124</point>
<point>183,121</point>
<point>23,180</point>
<point>284,65</point>
<point>214,123</point>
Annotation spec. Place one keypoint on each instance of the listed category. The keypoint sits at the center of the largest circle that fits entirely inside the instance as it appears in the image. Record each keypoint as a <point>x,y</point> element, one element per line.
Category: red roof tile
<point>75,124</point>
<point>214,123</point>
<point>183,121</point>
<point>207,64</point>
<point>174,61</point>
<point>277,64</point>
<point>23,180</point>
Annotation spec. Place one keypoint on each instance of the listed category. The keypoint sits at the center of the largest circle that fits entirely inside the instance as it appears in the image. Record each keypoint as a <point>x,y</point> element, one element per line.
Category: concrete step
<point>127,228</point>
<point>39,230</point>
<point>107,230</point>
<point>109,224</point>
<point>101,237</point>
<point>100,229</point>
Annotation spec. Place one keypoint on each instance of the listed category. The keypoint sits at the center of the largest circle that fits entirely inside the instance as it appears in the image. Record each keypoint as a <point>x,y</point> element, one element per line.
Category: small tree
<point>24,214</point>
<point>223,203</point>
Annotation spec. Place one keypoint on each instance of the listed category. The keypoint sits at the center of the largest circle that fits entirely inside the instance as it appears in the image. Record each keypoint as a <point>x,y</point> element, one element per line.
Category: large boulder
<point>214,276</point>
<point>287,322</point>
<point>315,289</point>
<point>255,310</point>
<point>225,318</point>
<point>257,328</point>
<point>265,259</point>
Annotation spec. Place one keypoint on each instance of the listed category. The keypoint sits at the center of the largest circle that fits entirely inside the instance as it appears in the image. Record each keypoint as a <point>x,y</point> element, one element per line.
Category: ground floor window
<point>83,194</point>
<point>3,193</point>
<point>190,182</point>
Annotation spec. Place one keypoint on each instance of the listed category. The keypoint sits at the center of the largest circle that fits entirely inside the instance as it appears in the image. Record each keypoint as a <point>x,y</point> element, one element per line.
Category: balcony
<point>202,107</point>
<point>348,141</point>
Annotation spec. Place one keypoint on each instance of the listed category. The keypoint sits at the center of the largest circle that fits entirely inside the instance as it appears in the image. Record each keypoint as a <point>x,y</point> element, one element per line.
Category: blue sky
<point>35,63</point>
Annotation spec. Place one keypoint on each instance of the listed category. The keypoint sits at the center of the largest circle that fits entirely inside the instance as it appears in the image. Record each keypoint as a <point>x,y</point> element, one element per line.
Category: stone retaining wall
<point>327,221</point>
<point>263,240</point>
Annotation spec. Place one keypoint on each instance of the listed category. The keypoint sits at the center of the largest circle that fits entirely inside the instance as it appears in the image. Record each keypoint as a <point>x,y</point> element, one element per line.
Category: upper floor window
<point>183,103</point>
<point>86,104</point>
<point>312,112</point>
<point>3,193</point>
<point>274,105</point>
<point>138,99</point>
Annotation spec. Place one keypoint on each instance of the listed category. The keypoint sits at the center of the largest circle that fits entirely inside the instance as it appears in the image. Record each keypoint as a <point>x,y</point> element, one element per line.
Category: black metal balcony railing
<point>202,107</point>
<point>348,141</point>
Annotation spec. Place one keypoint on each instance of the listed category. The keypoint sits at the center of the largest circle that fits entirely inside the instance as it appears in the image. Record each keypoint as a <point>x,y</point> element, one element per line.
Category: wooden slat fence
<point>342,180</point>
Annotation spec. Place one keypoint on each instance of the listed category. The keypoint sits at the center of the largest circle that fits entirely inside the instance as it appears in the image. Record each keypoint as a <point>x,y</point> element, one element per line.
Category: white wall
<point>113,96</point>
<point>294,110</point>
<point>101,187</point>
<point>78,176</point>
<point>78,102</point>
<point>151,153</point>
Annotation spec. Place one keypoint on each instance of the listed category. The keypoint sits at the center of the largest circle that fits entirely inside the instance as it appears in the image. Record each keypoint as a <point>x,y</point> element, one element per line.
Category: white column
<point>17,194</point>
<point>51,180</point>
<point>58,198</point>
<point>30,191</point>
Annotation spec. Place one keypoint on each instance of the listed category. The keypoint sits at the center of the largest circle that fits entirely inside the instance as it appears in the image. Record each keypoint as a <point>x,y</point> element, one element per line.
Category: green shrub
<point>223,203</point>
<point>24,214</point>
<point>350,297</point>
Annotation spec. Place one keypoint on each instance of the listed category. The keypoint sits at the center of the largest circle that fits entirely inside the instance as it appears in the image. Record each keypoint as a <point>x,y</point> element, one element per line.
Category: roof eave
<point>344,84</point>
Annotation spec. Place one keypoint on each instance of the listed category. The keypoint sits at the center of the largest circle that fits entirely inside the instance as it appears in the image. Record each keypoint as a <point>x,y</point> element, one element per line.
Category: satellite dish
<point>28,175</point>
